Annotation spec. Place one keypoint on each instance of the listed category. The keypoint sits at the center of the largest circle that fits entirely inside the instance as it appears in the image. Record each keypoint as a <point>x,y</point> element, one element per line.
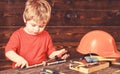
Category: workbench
<point>64,68</point>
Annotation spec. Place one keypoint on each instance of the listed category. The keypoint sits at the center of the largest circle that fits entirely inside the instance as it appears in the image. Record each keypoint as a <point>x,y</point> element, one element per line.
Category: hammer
<point>90,59</point>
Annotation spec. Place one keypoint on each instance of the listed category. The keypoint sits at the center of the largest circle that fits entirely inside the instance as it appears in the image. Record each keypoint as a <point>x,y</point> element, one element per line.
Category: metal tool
<point>56,60</point>
<point>36,65</point>
<point>74,64</point>
<point>48,71</point>
<point>91,59</point>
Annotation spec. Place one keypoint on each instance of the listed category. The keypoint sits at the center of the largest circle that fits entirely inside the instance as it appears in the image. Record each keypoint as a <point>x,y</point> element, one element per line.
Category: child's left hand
<point>62,54</point>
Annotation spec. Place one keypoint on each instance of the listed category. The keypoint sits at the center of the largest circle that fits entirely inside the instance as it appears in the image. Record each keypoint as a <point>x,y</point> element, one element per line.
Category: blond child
<point>32,44</point>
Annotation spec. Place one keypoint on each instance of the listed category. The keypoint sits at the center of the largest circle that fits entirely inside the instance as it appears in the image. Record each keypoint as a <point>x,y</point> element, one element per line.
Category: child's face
<point>34,28</point>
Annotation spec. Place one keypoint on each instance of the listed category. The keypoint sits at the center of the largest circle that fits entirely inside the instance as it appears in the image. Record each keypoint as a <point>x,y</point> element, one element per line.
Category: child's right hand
<point>21,63</point>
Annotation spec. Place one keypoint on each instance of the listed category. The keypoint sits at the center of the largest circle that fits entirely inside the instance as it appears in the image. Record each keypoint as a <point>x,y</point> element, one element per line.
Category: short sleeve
<point>13,43</point>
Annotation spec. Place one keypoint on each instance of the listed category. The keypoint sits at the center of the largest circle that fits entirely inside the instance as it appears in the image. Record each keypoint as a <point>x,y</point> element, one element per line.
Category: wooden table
<point>64,67</point>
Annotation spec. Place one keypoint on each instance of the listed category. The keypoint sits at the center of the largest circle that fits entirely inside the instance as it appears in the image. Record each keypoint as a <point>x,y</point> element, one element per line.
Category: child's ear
<point>24,19</point>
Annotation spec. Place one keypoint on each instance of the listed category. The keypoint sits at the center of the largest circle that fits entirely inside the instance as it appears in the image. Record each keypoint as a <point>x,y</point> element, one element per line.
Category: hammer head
<point>90,59</point>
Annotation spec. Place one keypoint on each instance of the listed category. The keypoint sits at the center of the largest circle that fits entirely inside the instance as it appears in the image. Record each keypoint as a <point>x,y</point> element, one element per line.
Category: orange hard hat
<point>98,42</point>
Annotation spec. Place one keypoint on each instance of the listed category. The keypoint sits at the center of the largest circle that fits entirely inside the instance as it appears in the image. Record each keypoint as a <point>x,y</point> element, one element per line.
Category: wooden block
<point>90,69</point>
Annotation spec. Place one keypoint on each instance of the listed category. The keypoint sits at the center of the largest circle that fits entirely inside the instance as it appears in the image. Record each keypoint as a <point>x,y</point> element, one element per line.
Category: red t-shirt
<point>33,48</point>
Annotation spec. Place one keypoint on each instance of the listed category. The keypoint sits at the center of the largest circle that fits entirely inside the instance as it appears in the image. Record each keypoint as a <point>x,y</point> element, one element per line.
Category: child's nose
<point>37,28</point>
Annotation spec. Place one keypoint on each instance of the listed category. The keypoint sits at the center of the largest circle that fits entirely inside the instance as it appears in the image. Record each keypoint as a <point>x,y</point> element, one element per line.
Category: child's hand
<point>21,63</point>
<point>60,54</point>
<point>63,54</point>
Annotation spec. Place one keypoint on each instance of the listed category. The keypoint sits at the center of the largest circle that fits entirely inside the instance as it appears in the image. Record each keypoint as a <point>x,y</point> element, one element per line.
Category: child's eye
<point>41,26</point>
<point>33,25</point>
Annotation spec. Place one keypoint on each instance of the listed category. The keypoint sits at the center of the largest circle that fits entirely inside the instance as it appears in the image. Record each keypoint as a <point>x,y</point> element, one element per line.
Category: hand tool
<point>56,60</point>
<point>97,58</point>
<point>48,71</point>
<point>36,65</point>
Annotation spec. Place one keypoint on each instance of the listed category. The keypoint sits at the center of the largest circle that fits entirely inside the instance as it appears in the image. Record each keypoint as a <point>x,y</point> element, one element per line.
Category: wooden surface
<point>63,35</point>
<point>66,12</point>
<point>64,67</point>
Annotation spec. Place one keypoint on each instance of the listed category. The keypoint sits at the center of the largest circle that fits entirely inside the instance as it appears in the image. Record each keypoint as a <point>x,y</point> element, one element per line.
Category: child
<point>31,44</point>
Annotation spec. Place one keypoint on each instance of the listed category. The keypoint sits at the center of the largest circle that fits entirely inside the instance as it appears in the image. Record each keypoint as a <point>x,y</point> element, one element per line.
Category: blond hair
<point>37,10</point>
